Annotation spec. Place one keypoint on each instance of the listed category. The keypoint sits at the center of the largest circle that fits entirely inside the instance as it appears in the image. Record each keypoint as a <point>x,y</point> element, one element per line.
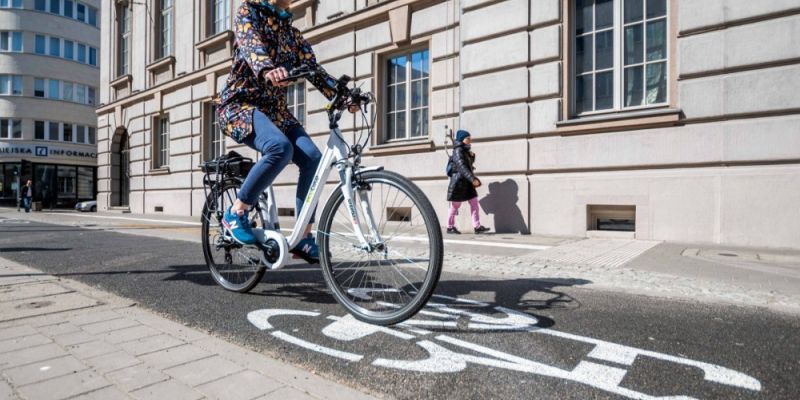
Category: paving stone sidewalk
<point>60,339</point>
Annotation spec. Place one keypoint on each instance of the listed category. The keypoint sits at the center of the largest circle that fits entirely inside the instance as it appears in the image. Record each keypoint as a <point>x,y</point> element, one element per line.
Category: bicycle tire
<point>209,215</point>
<point>434,239</point>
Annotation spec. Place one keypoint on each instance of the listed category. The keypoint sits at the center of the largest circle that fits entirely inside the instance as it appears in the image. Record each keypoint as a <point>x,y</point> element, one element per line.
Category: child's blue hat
<point>461,135</point>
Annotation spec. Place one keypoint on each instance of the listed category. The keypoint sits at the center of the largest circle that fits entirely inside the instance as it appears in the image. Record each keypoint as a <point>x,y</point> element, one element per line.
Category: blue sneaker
<point>238,227</point>
<point>307,249</point>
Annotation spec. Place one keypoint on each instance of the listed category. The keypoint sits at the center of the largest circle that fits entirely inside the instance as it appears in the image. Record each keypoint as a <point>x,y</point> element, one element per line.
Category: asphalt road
<point>512,339</point>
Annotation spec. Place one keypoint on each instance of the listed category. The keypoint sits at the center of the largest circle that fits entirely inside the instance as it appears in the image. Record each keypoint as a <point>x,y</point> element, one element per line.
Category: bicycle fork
<point>346,176</point>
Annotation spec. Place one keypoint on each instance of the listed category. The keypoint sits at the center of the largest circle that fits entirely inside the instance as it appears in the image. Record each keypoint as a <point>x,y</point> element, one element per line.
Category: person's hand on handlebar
<point>277,76</point>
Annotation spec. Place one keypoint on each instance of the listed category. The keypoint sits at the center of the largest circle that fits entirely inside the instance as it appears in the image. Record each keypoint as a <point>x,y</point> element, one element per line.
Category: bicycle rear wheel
<point>392,280</point>
<point>233,266</point>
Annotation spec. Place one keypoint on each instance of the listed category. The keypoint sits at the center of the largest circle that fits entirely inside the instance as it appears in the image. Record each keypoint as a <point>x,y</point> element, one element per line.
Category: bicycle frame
<point>336,154</point>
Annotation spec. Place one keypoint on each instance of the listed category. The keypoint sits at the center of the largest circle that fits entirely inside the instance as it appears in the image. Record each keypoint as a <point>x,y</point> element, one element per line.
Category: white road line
<point>166,221</point>
<point>404,238</point>
<point>315,347</point>
<point>468,242</point>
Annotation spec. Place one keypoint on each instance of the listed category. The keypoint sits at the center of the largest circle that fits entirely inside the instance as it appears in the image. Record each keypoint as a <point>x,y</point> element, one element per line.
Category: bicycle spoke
<point>373,278</point>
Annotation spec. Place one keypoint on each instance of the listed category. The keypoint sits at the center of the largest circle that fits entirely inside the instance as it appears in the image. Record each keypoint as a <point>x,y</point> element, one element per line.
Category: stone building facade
<point>659,119</point>
<point>49,79</point>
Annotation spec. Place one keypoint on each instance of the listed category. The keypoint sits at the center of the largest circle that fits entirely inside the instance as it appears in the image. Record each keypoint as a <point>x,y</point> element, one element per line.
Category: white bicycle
<point>380,241</point>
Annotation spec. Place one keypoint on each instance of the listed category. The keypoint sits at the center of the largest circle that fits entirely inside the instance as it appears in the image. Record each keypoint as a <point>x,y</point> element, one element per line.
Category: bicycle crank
<point>274,249</point>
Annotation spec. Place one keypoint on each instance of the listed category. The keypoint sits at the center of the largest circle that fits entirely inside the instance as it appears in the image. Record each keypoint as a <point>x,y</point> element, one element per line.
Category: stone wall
<point>718,165</point>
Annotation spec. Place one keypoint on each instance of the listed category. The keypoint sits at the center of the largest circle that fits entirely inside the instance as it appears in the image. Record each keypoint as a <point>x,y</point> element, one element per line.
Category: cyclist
<point>253,110</point>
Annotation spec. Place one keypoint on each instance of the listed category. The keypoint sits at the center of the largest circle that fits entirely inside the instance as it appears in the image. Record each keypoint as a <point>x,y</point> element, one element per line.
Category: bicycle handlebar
<point>344,97</point>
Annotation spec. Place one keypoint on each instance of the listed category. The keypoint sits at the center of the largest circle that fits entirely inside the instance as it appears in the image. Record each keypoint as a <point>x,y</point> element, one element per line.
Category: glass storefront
<point>8,183</point>
<point>56,186</point>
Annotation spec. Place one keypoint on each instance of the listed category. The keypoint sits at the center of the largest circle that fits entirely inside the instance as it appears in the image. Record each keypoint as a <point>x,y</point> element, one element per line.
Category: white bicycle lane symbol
<point>445,360</point>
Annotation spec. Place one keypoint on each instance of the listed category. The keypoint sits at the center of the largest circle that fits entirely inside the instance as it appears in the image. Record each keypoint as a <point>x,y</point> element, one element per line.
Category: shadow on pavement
<point>23,249</point>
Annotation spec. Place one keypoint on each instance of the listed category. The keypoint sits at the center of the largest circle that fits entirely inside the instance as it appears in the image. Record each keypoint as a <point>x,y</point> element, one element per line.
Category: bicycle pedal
<point>303,256</point>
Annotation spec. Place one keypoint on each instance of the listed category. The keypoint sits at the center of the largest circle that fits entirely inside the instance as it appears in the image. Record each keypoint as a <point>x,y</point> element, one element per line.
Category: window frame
<point>11,126</point>
<point>7,44</point>
<point>213,138</point>
<point>618,65</point>
<point>383,60</point>
<point>11,4</point>
<point>124,26</point>
<point>161,137</point>
<point>212,6</point>
<point>293,105</point>
<point>14,84</point>
<point>36,130</point>
<point>160,41</point>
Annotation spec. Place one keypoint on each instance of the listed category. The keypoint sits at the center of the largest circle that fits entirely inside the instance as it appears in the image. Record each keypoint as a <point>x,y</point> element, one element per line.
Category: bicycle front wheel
<point>391,280</point>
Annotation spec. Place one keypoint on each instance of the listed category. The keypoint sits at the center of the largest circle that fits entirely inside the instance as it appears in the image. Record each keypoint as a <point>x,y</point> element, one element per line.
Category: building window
<point>620,55</point>
<point>48,45</point>
<point>11,41</point>
<point>80,94</point>
<point>220,16</point>
<point>38,87</point>
<point>40,45</point>
<point>165,29</point>
<point>69,50</point>
<point>80,134</point>
<point>407,96</point>
<point>54,89</point>
<point>82,53</point>
<point>55,47</point>
<point>10,3</point>
<point>67,95</point>
<point>91,135</point>
<point>296,100</point>
<point>11,85</point>
<point>53,131</point>
<point>69,6</point>
<point>161,153</point>
<point>10,129</point>
<point>67,133</point>
<point>64,90</point>
<point>92,15</point>
<point>214,138</point>
<point>39,130</point>
<point>71,9</point>
<point>124,40</point>
<point>66,182</point>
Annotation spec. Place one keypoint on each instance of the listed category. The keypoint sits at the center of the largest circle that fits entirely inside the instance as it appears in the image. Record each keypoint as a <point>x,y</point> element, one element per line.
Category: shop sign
<point>36,151</point>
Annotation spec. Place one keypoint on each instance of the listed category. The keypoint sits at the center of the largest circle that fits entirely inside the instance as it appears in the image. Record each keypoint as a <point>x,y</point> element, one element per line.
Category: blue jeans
<point>277,149</point>
<point>26,202</point>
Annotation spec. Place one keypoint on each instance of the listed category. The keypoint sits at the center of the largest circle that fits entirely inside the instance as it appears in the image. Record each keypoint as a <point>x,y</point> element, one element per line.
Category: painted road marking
<point>460,353</point>
<point>166,221</point>
<point>400,238</point>
<point>13,221</point>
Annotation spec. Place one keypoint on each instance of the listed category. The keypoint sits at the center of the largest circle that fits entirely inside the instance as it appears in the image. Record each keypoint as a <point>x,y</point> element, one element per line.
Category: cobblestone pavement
<point>62,339</point>
<point>615,264</point>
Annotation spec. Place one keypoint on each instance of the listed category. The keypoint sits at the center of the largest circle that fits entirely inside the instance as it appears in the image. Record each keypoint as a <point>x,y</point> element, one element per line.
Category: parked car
<point>87,206</point>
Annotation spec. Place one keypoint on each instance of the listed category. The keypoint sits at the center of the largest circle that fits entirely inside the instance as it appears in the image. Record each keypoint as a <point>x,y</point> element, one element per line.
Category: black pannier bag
<point>231,165</point>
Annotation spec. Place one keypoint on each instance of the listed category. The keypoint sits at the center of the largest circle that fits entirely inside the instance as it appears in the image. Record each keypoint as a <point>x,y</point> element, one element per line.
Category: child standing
<point>463,183</point>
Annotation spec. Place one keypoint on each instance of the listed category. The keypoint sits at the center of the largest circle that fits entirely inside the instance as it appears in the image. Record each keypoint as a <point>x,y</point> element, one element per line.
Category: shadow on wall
<point>501,202</point>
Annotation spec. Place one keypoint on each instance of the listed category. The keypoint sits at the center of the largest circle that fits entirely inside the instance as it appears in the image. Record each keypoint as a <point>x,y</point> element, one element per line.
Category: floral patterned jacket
<point>265,40</point>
